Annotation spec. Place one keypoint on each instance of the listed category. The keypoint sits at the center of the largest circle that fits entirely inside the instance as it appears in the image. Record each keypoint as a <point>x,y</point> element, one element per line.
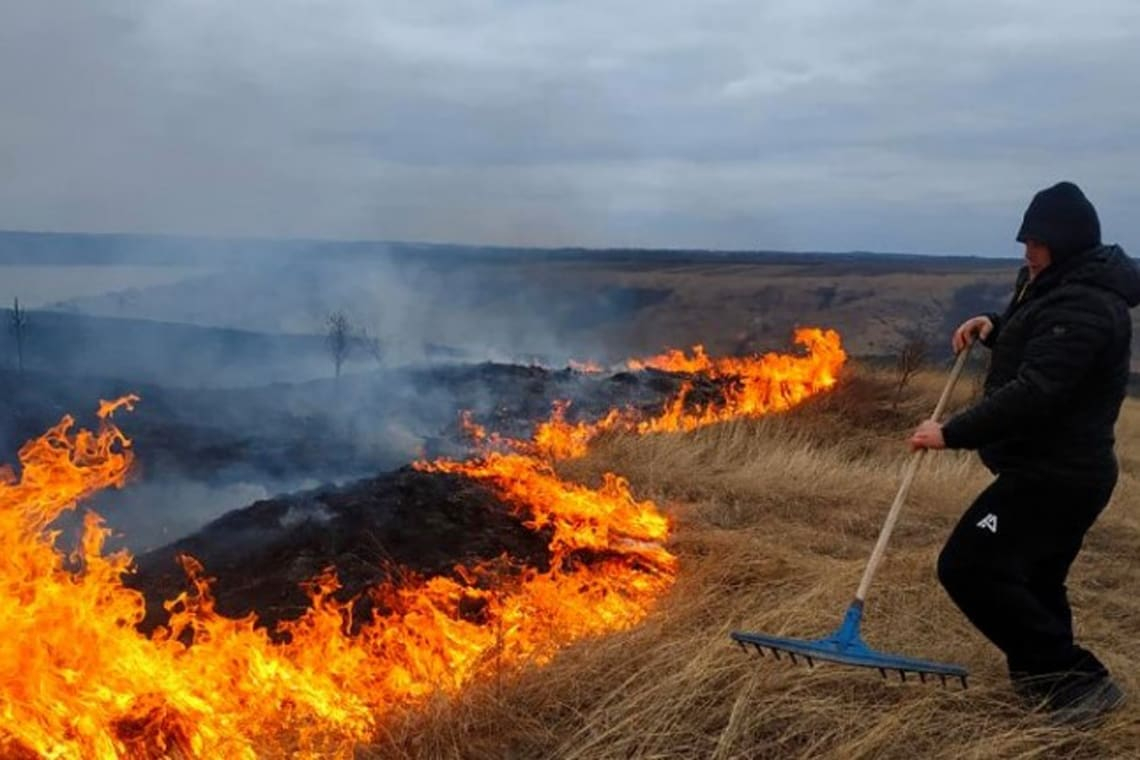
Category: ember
<point>79,680</point>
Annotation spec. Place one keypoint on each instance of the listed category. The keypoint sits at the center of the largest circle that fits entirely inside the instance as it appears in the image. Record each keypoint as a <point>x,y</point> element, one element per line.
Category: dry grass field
<point>774,520</point>
<point>738,308</point>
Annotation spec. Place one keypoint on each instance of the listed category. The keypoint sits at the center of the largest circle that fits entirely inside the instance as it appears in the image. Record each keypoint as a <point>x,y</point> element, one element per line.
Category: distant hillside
<point>161,353</point>
<point>504,304</point>
<point>72,249</point>
<point>518,304</point>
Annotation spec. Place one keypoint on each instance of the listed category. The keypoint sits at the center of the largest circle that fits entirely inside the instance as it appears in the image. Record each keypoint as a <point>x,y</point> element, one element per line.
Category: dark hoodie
<point>1060,366</point>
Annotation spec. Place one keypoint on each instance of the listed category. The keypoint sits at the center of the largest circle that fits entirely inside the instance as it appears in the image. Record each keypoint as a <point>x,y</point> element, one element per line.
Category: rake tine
<point>846,647</point>
<point>743,648</point>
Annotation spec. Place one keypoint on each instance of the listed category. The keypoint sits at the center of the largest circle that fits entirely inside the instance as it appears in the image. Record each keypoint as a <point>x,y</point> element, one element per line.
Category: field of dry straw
<point>774,520</point>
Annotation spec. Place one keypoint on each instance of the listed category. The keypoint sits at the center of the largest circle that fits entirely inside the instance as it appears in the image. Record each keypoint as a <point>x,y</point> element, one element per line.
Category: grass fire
<point>79,679</point>
<point>499,380</point>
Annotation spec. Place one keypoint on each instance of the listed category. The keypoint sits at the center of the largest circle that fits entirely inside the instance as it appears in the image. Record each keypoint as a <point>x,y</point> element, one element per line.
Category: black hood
<point>1107,267</point>
<point>1063,219</point>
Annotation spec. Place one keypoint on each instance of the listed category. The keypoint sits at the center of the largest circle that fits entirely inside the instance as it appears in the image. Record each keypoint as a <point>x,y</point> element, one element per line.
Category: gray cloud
<point>899,125</point>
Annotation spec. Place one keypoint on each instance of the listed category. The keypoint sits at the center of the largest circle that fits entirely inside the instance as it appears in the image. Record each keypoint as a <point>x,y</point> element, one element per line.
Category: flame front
<point>759,385</point>
<point>77,680</point>
<point>749,387</point>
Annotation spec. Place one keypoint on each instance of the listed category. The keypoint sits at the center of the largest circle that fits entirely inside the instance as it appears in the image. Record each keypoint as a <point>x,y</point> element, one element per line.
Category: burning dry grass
<point>209,686</point>
<point>775,518</point>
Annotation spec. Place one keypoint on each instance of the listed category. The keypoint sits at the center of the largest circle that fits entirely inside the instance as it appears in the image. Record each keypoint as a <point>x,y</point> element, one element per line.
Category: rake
<point>845,645</point>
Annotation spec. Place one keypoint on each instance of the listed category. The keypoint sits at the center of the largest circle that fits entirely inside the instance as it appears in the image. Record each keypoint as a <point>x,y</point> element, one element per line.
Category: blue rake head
<point>846,646</point>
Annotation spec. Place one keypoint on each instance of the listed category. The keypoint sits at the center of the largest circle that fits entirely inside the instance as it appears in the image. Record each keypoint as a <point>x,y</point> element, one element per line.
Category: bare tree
<point>912,356</point>
<point>338,338</point>
<point>19,325</point>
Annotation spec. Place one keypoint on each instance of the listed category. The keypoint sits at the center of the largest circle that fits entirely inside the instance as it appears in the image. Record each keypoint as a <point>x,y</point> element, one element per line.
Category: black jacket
<point>1059,371</point>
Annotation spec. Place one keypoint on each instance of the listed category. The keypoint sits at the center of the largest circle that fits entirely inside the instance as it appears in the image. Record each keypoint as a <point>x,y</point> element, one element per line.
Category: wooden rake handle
<point>908,476</point>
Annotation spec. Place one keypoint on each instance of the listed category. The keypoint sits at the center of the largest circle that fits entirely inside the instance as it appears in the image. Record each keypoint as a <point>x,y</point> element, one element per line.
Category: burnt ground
<point>374,531</point>
<point>380,529</point>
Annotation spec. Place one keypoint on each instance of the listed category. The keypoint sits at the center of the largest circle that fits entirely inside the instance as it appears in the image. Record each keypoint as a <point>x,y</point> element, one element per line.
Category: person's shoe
<point>1033,690</point>
<point>1089,707</point>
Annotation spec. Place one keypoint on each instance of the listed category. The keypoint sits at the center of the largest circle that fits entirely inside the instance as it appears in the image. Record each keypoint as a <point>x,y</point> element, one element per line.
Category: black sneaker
<point>1089,707</point>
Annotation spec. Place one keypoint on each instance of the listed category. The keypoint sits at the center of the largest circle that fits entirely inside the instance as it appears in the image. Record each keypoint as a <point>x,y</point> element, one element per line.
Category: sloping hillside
<point>775,519</point>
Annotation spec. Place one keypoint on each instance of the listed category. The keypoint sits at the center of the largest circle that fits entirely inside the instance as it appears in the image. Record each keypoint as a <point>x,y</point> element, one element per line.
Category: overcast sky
<point>800,124</point>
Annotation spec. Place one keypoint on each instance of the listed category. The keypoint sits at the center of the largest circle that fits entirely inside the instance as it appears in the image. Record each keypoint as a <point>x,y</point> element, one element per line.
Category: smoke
<point>267,303</point>
<point>146,515</point>
<point>225,342</point>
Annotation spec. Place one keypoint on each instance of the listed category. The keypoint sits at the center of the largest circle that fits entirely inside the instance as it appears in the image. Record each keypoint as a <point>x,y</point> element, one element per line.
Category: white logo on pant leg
<point>989,522</point>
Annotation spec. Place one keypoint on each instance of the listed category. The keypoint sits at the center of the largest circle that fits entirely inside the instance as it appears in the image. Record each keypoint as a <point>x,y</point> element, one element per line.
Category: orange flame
<point>749,387</point>
<point>78,681</point>
<point>760,385</point>
<point>558,439</point>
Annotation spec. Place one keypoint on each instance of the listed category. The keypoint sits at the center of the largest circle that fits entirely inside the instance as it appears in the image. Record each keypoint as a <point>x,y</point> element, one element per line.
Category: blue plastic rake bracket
<point>846,646</point>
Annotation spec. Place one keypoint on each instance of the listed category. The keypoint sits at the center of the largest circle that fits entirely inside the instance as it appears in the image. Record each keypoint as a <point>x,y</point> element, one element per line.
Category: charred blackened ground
<point>526,395</point>
<point>378,530</point>
<point>372,532</point>
<point>413,524</point>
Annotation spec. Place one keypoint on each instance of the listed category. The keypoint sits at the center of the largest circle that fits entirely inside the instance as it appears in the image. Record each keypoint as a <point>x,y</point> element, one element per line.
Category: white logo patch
<point>989,522</point>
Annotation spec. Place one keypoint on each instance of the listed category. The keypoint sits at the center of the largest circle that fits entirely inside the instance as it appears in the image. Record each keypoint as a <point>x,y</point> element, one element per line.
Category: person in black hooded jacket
<point>1058,375</point>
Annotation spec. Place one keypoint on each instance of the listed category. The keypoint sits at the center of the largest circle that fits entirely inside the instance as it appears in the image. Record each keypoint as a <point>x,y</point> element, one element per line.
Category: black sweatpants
<point>1005,566</point>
